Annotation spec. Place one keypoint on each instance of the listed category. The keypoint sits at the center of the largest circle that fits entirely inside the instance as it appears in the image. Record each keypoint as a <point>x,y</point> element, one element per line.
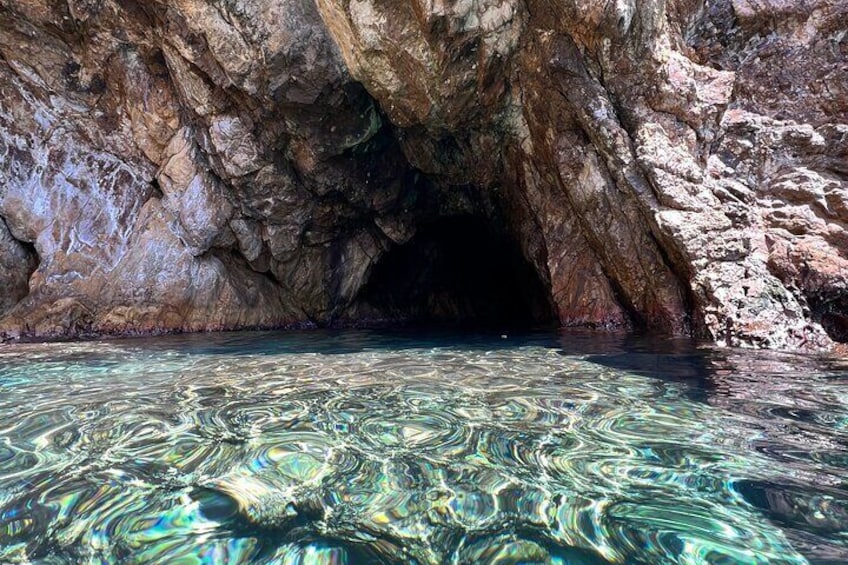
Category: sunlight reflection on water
<point>363,447</point>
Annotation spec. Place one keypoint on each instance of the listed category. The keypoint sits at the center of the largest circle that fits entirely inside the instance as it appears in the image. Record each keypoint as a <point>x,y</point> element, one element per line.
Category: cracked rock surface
<point>177,165</point>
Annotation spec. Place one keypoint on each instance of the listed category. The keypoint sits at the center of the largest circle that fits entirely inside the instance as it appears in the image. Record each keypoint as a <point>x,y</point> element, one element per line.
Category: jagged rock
<point>16,265</point>
<point>676,165</point>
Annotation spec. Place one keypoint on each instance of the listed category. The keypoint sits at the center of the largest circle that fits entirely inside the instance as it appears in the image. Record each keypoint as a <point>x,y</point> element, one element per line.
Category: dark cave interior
<point>459,271</point>
<point>833,316</point>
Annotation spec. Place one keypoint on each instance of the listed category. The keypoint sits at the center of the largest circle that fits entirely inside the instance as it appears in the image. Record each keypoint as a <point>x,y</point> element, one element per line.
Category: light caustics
<point>120,453</point>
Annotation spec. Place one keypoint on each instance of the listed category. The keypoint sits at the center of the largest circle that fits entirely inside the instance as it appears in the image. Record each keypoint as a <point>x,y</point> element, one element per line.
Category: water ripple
<point>175,451</point>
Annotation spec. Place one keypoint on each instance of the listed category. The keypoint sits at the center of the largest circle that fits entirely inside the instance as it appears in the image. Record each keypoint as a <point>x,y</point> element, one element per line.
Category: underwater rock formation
<point>678,166</point>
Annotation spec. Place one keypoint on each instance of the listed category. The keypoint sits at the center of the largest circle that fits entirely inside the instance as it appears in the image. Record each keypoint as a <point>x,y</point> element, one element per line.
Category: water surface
<point>364,447</point>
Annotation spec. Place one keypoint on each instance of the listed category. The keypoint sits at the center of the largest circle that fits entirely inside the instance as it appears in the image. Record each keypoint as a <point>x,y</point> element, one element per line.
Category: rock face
<point>679,166</point>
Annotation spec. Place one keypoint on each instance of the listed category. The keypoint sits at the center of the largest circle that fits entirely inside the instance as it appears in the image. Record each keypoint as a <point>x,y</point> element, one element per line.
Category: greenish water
<point>360,447</point>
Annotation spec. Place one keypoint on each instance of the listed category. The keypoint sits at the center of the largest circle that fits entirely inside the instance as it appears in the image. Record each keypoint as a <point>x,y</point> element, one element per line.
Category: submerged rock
<point>181,165</point>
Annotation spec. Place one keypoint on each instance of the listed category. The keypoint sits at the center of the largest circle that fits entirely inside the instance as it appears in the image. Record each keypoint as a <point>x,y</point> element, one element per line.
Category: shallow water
<point>361,447</point>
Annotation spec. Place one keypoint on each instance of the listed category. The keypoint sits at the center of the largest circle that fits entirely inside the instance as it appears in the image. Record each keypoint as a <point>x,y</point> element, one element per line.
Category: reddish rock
<point>678,166</point>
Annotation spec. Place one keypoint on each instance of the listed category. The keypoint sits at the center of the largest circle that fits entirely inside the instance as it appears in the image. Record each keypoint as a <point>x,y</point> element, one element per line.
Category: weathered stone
<point>201,164</point>
<point>16,265</point>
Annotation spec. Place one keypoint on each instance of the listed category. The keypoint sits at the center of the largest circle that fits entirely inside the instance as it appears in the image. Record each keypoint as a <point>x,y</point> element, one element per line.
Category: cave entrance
<point>459,272</point>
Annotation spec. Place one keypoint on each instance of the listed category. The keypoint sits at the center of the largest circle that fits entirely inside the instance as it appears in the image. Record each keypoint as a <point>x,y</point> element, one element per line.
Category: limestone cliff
<point>676,165</point>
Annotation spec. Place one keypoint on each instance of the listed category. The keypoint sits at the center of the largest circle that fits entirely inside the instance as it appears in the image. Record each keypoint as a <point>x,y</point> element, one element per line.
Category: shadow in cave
<point>458,272</point>
<point>832,313</point>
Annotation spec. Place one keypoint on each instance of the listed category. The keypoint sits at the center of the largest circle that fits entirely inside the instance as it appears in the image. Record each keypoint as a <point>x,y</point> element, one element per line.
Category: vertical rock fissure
<point>18,261</point>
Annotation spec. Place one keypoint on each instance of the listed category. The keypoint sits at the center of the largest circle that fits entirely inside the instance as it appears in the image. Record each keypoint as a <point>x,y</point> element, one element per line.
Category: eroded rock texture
<point>676,165</point>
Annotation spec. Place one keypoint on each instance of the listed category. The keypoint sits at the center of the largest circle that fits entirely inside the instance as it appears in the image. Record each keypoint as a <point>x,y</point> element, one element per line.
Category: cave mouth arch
<point>459,271</point>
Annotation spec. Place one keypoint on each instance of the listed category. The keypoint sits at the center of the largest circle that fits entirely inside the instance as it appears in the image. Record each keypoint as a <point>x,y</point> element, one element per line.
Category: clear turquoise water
<point>358,447</point>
